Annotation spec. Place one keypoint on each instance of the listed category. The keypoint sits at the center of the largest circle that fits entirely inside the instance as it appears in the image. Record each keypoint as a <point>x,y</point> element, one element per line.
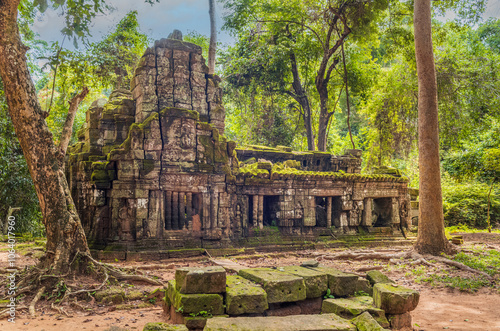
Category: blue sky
<point>159,20</point>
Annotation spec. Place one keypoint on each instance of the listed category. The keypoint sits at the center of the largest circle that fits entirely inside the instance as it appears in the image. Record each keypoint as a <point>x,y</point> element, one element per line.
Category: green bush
<point>467,203</point>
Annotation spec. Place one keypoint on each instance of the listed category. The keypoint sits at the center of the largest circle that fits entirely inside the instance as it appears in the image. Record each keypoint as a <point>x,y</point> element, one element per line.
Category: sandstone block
<point>279,286</point>
<point>365,322</point>
<point>394,300</point>
<point>400,321</point>
<point>194,303</point>
<point>323,322</point>
<point>352,307</point>
<point>200,280</point>
<point>158,326</point>
<point>341,284</point>
<point>244,297</point>
<point>375,276</point>
<point>316,282</point>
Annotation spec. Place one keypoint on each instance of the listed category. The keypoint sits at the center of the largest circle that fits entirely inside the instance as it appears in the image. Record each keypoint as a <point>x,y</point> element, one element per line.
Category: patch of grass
<point>458,282</point>
<point>464,228</point>
<point>486,261</point>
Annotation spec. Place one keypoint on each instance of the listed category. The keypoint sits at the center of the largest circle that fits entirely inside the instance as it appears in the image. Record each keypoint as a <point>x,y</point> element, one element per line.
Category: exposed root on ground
<point>35,300</point>
<point>399,258</point>
<point>46,281</point>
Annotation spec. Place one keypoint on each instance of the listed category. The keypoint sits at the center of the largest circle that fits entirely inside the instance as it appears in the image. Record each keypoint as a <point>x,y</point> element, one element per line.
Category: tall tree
<point>65,235</point>
<point>213,38</point>
<point>431,237</point>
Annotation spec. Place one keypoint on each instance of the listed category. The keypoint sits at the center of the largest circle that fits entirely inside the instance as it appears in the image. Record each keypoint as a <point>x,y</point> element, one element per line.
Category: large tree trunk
<point>213,38</point>
<point>324,118</point>
<point>431,237</point>
<point>65,235</point>
<point>301,97</point>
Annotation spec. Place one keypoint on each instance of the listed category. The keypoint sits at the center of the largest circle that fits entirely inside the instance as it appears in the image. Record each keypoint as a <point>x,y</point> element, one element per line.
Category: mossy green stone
<point>341,284</point>
<point>394,300</point>
<point>316,282</point>
<point>114,294</point>
<point>194,303</point>
<point>279,286</point>
<point>200,280</point>
<point>351,307</point>
<point>324,322</point>
<point>366,322</point>
<point>244,297</point>
<point>164,327</point>
<point>375,277</point>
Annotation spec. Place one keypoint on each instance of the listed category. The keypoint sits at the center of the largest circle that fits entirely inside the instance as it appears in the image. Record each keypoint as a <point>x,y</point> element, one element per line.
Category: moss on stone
<point>149,165</point>
<point>158,326</point>
<point>179,112</point>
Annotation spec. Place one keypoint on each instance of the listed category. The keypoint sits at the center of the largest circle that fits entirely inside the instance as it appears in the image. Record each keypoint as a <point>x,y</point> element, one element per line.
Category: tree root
<point>401,258</point>
<point>34,301</point>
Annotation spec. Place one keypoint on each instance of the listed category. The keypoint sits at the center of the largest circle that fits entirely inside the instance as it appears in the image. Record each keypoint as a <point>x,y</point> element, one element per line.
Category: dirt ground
<point>439,307</point>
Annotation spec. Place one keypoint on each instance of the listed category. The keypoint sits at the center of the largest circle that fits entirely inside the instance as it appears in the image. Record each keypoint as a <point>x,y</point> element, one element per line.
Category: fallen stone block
<point>350,307</point>
<point>394,299</point>
<point>366,322</point>
<point>363,285</point>
<point>279,286</point>
<point>244,297</point>
<point>400,321</point>
<point>316,282</point>
<point>114,294</point>
<point>310,306</point>
<point>200,280</point>
<point>164,327</point>
<point>341,284</point>
<point>375,277</point>
<point>194,303</point>
<point>322,322</point>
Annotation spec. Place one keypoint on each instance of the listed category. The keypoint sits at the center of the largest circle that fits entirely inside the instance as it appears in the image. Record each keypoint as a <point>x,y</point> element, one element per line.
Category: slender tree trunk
<point>70,119</point>
<point>347,98</point>
<point>324,119</point>
<point>5,226</point>
<point>301,97</point>
<point>65,235</point>
<point>213,38</point>
<point>431,237</point>
<point>488,219</point>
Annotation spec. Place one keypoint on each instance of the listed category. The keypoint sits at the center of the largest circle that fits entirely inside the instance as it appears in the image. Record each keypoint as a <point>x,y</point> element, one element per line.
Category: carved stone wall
<point>152,169</point>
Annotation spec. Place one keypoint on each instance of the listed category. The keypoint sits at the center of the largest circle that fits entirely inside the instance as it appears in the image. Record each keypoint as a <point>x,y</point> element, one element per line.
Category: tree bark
<point>431,237</point>
<point>9,214</point>
<point>65,235</point>
<point>301,97</point>
<point>213,38</point>
<point>70,119</point>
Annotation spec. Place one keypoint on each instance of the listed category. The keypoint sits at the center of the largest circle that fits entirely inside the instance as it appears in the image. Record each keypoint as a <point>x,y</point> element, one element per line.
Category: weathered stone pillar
<point>255,210</point>
<point>261,212</point>
<point>329,212</point>
<point>206,211</point>
<point>175,211</point>
<point>214,207</point>
<point>189,211</point>
<point>367,212</point>
<point>168,210</point>
<point>182,210</point>
<point>395,211</point>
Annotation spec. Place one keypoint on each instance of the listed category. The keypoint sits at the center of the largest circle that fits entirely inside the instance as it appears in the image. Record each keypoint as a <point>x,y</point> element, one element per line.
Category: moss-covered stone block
<point>366,322</point>
<point>352,307</point>
<point>316,282</point>
<point>158,326</point>
<point>264,165</point>
<point>279,286</point>
<point>324,322</point>
<point>341,284</point>
<point>375,277</point>
<point>394,299</point>
<point>194,303</point>
<point>114,294</point>
<point>244,297</point>
<point>200,280</point>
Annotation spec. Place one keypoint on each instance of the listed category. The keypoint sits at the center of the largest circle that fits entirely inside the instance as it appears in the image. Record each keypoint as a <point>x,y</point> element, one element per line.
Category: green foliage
<point>466,203</point>
<point>329,295</point>
<point>16,186</point>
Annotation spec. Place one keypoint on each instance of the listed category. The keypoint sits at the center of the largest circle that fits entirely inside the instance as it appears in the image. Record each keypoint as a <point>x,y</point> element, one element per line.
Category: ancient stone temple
<point>153,170</point>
